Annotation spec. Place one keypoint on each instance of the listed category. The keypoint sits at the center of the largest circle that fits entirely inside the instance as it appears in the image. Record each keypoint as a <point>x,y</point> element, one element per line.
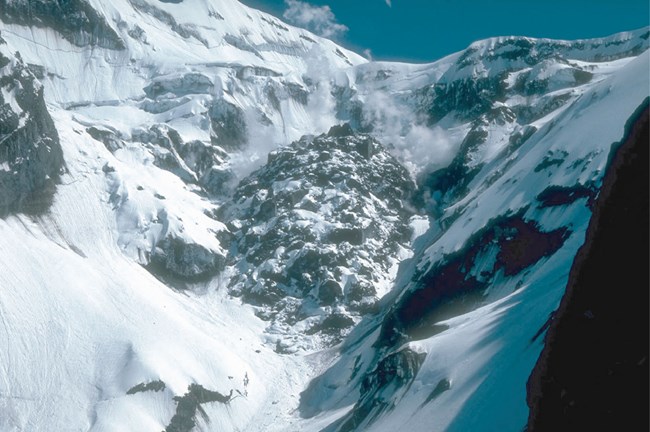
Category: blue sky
<point>425,30</point>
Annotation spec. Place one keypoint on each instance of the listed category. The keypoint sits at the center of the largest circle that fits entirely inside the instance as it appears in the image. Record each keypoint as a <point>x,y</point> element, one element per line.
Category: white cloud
<point>389,3</point>
<point>367,54</point>
<point>318,19</point>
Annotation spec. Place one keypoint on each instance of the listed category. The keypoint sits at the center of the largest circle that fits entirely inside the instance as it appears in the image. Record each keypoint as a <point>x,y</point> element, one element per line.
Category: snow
<point>487,354</point>
<point>93,323</point>
<point>83,321</point>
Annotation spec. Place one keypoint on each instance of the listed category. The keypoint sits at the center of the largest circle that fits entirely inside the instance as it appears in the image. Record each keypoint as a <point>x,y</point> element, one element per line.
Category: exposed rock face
<point>189,405</point>
<point>75,20</point>
<point>481,75</point>
<point>30,154</point>
<point>183,30</point>
<point>155,386</point>
<point>191,83</point>
<point>395,371</point>
<point>190,262</point>
<point>318,227</point>
<point>593,371</point>
<point>229,128</point>
<point>456,284</point>
<point>500,124</point>
<point>194,162</point>
<point>157,239</point>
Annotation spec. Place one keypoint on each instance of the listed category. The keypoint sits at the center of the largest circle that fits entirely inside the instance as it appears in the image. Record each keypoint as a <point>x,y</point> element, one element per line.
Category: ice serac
<point>31,159</point>
<point>393,272</point>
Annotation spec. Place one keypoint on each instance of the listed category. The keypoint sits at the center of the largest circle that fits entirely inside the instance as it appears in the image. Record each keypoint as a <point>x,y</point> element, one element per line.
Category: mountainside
<point>215,221</point>
<point>574,382</point>
<point>464,320</point>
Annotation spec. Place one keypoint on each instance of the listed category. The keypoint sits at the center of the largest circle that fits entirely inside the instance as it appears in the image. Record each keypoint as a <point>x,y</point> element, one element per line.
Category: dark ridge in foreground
<point>593,371</point>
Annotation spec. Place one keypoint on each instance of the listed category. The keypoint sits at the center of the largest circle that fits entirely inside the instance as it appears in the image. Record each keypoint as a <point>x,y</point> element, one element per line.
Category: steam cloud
<point>396,124</point>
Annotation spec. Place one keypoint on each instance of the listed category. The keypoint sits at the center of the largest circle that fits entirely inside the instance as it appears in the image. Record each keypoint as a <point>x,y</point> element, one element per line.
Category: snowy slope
<point>83,323</point>
<point>123,283</point>
<point>183,79</point>
<point>451,370</point>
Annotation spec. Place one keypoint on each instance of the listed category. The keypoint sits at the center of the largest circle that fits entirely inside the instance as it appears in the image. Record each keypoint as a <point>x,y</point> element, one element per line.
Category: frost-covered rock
<point>229,129</point>
<point>31,159</point>
<point>194,162</point>
<point>191,262</point>
<point>483,73</point>
<point>491,135</point>
<point>191,83</point>
<point>319,228</point>
<point>382,388</point>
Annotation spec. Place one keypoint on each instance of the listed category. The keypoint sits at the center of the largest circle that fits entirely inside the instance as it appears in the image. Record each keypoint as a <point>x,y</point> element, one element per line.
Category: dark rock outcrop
<point>593,371</point>
<point>175,259</point>
<point>451,183</point>
<point>395,371</point>
<point>319,225</point>
<point>190,83</point>
<point>75,20</point>
<point>193,162</point>
<point>183,30</point>
<point>31,158</point>
<point>475,92</point>
<point>189,405</point>
<point>154,386</point>
<point>109,138</point>
<point>554,196</point>
<point>229,129</point>
<point>456,284</point>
